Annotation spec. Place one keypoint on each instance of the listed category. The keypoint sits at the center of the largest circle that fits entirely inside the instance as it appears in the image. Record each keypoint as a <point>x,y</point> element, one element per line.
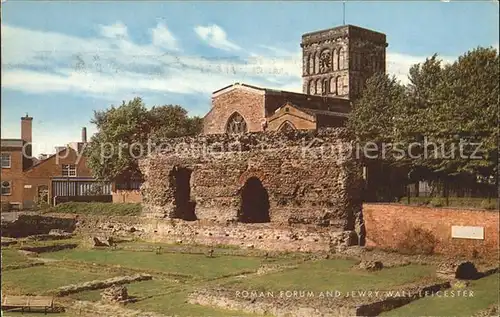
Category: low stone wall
<point>92,285</point>
<point>29,225</point>
<point>260,236</point>
<point>388,224</point>
<point>307,303</point>
<point>127,196</point>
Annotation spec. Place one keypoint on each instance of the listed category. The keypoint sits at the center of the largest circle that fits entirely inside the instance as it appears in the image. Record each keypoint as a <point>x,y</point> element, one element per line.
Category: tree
<point>125,132</point>
<point>374,115</point>
<point>450,106</point>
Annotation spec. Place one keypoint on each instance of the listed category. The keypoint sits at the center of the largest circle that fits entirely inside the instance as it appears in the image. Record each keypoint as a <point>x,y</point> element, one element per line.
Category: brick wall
<point>14,175</point>
<point>127,196</point>
<point>42,173</point>
<point>386,225</point>
<point>299,119</point>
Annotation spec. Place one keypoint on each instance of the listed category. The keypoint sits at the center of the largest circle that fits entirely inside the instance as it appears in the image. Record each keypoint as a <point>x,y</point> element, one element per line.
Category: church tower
<point>337,62</point>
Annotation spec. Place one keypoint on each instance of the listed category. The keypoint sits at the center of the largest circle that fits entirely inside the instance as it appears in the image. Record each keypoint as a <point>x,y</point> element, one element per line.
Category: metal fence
<point>79,187</point>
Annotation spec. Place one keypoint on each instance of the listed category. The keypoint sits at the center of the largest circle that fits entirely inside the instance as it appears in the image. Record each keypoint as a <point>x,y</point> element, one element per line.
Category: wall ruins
<point>278,180</point>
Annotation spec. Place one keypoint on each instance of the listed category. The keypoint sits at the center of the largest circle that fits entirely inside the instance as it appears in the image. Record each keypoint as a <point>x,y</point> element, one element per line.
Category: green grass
<point>327,275</point>
<point>100,209</point>
<point>171,300</point>
<point>37,314</point>
<point>13,257</point>
<point>197,265</point>
<point>40,279</point>
<point>462,202</point>
<point>162,297</point>
<point>485,293</point>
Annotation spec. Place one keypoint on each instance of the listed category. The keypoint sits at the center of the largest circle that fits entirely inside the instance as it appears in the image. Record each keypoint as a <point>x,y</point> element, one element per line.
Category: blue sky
<point>62,60</point>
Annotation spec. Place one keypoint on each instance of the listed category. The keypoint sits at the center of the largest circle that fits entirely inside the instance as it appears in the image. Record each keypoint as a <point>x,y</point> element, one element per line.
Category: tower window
<point>341,58</point>
<point>335,60</point>
<point>325,86</point>
<point>312,87</point>
<point>333,88</point>
<point>311,64</point>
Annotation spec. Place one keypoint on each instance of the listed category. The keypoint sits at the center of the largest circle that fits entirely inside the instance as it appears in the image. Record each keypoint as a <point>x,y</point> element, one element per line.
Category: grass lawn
<point>40,279</point>
<point>97,208</point>
<point>485,293</point>
<point>196,265</point>
<point>37,314</point>
<point>162,297</point>
<point>13,257</point>
<point>329,275</point>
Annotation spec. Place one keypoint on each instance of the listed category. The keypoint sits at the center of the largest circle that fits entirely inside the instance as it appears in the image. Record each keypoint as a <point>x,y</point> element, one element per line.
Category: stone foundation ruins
<point>306,180</point>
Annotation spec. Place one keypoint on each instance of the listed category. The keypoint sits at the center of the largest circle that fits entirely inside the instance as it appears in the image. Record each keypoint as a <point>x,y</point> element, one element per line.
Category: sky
<point>63,60</point>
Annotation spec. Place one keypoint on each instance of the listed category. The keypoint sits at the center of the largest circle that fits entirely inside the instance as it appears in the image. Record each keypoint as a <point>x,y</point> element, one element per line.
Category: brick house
<point>27,181</point>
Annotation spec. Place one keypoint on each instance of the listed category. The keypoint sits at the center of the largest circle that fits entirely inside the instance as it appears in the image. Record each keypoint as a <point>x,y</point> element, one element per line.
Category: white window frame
<point>9,187</point>
<point>2,159</point>
<point>68,170</point>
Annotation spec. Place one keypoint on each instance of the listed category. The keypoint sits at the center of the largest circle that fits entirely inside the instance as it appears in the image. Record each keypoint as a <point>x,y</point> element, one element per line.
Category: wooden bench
<point>28,302</point>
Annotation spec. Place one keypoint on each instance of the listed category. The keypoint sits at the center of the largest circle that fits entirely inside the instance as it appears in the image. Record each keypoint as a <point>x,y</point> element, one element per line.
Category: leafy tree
<point>374,115</point>
<point>125,132</point>
<point>443,104</point>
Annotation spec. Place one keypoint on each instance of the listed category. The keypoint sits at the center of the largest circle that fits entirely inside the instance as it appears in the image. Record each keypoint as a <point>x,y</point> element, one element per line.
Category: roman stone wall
<point>295,178</point>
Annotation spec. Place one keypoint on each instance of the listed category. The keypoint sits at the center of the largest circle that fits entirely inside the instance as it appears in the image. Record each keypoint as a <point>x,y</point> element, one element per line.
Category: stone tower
<point>337,62</point>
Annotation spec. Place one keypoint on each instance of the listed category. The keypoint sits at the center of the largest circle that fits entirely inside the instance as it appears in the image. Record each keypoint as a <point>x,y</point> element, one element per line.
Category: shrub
<point>95,208</point>
<point>488,205</point>
<point>437,202</point>
<point>417,241</point>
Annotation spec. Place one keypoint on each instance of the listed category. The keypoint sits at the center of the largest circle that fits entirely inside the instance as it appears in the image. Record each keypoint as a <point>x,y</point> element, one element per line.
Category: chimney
<point>26,128</point>
<point>27,137</point>
<point>84,135</point>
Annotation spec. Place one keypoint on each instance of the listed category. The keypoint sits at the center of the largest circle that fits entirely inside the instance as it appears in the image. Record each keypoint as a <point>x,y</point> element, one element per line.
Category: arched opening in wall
<point>316,63</point>
<point>341,59</point>
<point>254,202</point>
<point>184,207</point>
<point>338,87</point>
<point>318,86</point>
<point>312,87</point>
<point>325,86</point>
<point>333,88</point>
<point>236,124</point>
<point>286,127</point>
<point>311,64</point>
<point>335,57</point>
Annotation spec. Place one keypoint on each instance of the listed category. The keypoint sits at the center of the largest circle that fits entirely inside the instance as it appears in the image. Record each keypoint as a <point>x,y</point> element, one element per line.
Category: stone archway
<point>255,205</point>
<point>181,182</point>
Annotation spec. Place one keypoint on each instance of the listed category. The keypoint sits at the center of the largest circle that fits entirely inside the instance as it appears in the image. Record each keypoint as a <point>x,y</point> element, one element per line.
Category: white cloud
<point>162,37</point>
<point>117,30</point>
<point>399,64</point>
<point>216,37</point>
<point>112,67</point>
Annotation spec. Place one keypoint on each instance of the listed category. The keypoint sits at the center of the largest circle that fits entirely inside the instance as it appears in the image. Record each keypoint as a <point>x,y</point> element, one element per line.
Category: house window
<point>68,170</point>
<point>6,188</point>
<point>5,158</point>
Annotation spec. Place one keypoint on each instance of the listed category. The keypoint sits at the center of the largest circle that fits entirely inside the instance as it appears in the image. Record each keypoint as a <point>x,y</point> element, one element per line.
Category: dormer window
<point>69,170</point>
<point>5,160</point>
